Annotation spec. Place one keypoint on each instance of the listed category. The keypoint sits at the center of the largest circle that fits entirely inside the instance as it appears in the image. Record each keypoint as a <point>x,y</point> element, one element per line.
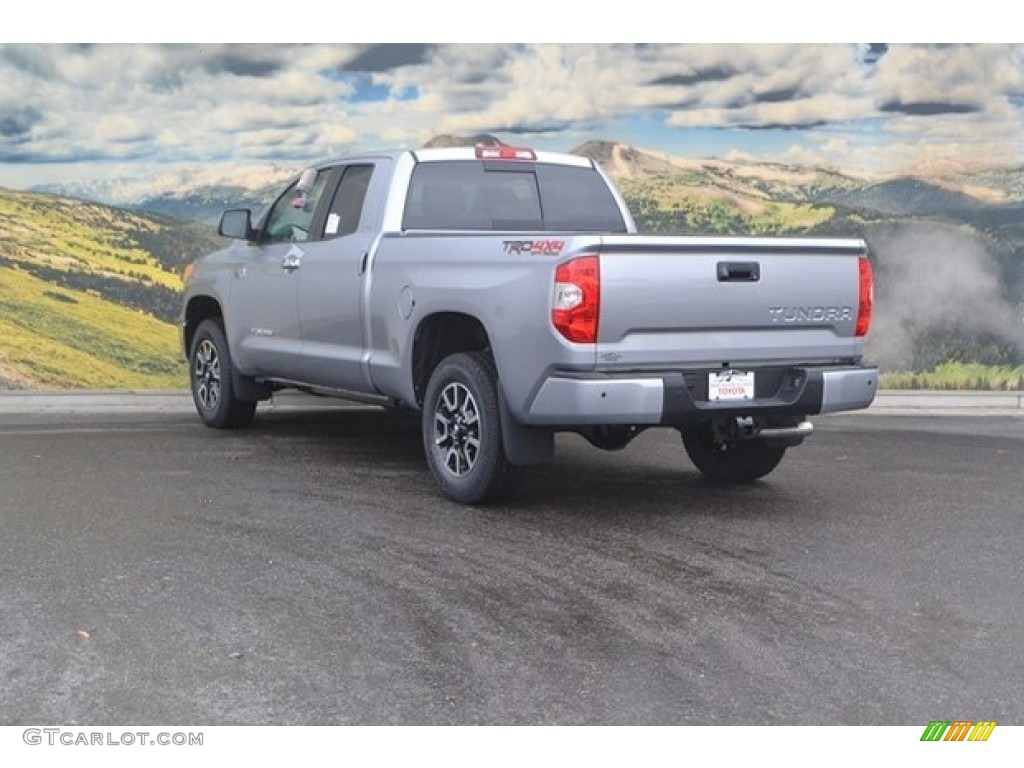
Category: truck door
<point>330,287</point>
<point>265,286</point>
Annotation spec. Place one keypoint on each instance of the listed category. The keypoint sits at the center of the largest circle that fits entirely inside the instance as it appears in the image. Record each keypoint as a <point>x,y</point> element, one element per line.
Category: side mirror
<point>237,223</point>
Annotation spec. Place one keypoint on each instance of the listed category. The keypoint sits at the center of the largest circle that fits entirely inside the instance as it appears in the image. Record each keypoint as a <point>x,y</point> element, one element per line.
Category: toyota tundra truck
<point>504,295</point>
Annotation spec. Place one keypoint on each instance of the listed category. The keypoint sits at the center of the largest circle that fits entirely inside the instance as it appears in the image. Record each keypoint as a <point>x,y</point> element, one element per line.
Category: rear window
<point>468,194</point>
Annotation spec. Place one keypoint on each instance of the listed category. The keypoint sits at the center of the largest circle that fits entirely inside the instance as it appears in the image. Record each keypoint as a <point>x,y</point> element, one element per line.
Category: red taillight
<point>867,296</point>
<point>504,153</point>
<point>577,299</point>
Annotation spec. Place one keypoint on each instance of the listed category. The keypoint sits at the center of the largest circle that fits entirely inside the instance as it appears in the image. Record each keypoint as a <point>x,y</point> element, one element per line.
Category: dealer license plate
<point>731,385</point>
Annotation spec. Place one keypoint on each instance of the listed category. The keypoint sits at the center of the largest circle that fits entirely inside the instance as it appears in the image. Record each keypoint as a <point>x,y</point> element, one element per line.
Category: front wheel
<point>729,460</point>
<point>212,385</point>
<point>461,425</point>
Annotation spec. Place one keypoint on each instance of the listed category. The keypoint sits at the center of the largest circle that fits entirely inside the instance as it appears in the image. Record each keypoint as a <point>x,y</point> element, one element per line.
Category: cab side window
<point>347,205</point>
<point>290,218</point>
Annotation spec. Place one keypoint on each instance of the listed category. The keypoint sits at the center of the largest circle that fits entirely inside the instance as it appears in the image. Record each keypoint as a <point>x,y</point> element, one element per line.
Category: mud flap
<point>249,390</point>
<point>524,446</point>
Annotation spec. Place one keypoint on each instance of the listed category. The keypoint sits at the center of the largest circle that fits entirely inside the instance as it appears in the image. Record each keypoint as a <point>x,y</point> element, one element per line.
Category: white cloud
<point>979,76</point>
<point>117,128</point>
<point>168,104</point>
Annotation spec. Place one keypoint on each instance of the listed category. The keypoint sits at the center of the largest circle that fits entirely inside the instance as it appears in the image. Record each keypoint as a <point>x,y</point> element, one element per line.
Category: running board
<point>343,394</point>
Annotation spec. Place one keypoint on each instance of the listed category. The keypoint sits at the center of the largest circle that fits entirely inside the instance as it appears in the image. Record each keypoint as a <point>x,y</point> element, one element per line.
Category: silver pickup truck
<point>505,295</point>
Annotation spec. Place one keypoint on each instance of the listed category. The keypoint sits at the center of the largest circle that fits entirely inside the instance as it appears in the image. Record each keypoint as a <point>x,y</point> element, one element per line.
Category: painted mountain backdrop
<point>89,291</point>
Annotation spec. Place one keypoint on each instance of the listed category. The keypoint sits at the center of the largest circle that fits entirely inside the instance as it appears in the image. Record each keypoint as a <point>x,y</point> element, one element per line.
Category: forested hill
<point>89,293</point>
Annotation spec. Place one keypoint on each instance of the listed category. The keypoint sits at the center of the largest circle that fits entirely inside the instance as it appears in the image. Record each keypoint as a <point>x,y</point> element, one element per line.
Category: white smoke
<point>933,276</point>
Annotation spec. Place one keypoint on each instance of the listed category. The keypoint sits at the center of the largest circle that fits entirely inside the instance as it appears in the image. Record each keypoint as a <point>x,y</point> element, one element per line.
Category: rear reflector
<point>504,153</point>
<point>867,296</point>
<point>577,299</point>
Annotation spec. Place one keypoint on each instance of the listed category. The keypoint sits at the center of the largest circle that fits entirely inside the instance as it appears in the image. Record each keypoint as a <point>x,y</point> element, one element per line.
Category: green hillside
<point>89,293</point>
<point>669,194</point>
<point>687,204</point>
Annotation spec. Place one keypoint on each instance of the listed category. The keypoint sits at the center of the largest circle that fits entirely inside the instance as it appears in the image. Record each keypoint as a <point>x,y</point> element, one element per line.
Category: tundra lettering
<point>810,314</point>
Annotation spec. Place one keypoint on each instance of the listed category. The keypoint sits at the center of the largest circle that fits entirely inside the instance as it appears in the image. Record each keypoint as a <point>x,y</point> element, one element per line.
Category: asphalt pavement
<point>307,571</point>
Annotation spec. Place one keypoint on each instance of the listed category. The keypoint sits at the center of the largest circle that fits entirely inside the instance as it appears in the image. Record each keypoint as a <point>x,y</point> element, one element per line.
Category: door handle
<point>293,259</point>
<point>362,262</point>
<point>739,272</point>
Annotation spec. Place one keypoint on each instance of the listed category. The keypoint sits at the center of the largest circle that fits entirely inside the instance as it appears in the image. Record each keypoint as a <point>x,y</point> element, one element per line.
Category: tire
<point>461,427</point>
<point>740,461</point>
<point>211,376</point>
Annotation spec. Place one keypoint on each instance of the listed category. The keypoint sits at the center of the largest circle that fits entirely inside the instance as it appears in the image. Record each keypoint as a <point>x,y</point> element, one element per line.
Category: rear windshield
<point>469,194</point>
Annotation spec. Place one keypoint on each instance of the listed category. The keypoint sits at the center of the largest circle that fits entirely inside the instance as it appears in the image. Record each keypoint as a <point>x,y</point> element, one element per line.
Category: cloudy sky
<point>70,113</point>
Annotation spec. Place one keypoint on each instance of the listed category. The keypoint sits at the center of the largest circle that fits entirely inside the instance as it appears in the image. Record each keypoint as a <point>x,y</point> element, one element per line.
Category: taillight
<point>867,296</point>
<point>577,299</point>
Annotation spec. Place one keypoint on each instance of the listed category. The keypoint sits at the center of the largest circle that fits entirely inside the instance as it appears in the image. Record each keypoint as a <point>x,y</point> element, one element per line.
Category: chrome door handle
<point>293,259</point>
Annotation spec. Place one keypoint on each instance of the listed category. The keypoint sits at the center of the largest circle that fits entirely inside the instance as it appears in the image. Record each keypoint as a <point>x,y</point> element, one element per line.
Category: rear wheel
<point>212,385</point>
<point>461,428</point>
<point>729,460</point>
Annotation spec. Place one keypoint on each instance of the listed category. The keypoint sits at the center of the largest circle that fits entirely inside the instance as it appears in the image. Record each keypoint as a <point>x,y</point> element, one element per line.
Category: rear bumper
<point>680,397</point>
<point>848,389</point>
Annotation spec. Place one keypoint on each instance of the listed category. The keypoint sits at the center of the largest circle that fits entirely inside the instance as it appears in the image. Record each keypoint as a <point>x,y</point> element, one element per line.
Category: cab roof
<point>457,153</point>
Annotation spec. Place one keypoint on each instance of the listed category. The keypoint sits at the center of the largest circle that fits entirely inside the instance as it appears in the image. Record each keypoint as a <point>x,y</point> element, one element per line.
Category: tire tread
<point>503,477</point>
<point>742,462</point>
<point>231,412</point>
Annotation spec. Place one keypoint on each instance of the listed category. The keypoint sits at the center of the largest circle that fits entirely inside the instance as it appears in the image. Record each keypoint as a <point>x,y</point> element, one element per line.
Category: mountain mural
<point>89,291</point>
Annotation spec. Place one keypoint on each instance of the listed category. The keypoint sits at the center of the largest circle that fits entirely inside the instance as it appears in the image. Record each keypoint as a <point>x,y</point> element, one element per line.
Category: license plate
<point>731,385</point>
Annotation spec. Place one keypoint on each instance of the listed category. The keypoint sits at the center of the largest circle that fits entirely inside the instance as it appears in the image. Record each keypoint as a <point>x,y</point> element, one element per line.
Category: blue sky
<point>79,113</point>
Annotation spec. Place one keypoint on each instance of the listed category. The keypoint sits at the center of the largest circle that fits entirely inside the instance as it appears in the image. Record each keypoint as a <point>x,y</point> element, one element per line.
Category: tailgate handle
<point>739,271</point>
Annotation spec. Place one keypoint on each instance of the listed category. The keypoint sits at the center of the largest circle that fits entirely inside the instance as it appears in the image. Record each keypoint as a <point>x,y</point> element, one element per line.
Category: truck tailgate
<point>696,302</point>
